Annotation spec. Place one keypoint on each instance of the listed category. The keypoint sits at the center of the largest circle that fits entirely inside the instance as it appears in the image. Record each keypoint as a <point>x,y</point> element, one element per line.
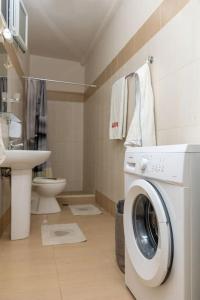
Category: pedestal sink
<point>21,163</point>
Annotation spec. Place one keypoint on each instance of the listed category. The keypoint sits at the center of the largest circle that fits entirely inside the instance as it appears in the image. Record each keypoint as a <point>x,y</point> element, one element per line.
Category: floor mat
<point>57,234</point>
<point>84,209</point>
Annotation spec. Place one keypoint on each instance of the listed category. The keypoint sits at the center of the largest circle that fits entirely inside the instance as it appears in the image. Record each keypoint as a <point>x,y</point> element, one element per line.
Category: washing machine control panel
<point>158,166</point>
<point>168,166</point>
<point>144,164</point>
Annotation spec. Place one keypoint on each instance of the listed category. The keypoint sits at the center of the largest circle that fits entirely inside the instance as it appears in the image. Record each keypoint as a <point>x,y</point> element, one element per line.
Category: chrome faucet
<point>16,144</point>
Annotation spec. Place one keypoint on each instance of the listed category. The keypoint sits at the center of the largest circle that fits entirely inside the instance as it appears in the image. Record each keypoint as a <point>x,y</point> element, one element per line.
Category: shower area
<point>64,118</point>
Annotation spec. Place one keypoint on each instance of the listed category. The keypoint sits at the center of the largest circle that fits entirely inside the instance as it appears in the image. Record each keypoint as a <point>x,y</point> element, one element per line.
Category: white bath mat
<point>57,234</point>
<point>84,209</point>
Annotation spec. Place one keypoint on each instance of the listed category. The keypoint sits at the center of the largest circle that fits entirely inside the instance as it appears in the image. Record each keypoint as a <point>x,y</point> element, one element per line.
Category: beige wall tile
<point>65,132</point>
<point>169,8</point>
<point>126,53</point>
<point>148,30</point>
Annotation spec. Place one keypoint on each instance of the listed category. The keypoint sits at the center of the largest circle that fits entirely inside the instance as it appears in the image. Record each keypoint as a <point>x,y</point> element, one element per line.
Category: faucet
<point>16,144</point>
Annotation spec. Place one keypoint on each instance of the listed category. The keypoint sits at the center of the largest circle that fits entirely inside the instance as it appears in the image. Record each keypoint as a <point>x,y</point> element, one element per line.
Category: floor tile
<point>50,294</point>
<point>84,271</point>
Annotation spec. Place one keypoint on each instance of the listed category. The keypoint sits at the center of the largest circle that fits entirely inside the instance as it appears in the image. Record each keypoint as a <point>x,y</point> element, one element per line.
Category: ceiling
<point>67,29</point>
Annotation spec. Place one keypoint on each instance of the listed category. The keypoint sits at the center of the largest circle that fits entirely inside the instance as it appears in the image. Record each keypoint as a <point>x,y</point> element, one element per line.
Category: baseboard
<point>76,199</point>
<point>105,203</point>
<point>99,198</point>
<point>5,220</point>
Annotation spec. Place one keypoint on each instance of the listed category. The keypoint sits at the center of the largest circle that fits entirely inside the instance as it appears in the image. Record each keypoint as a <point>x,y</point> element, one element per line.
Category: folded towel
<point>2,147</point>
<point>15,130</point>
<point>118,111</point>
<point>142,128</point>
<point>15,127</point>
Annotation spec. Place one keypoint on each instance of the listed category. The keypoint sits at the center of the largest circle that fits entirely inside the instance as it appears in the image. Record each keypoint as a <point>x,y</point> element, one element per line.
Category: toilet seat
<point>45,180</point>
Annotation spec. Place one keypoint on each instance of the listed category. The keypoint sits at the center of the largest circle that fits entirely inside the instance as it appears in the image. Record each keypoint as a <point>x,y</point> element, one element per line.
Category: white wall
<point>128,19</point>
<point>65,119</point>
<point>58,69</point>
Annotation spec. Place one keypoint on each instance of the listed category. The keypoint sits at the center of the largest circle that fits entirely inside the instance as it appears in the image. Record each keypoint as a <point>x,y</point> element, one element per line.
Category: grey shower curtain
<point>36,121</point>
<point>3,89</point>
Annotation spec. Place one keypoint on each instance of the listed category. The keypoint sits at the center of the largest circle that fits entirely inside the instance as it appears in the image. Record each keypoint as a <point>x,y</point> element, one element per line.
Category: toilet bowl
<point>44,195</point>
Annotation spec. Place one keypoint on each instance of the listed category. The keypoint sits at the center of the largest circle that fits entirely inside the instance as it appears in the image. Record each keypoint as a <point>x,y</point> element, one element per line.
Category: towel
<point>15,127</point>
<point>2,147</point>
<point>142,128</point>
<point>118,111</point>
<point>15,130</point>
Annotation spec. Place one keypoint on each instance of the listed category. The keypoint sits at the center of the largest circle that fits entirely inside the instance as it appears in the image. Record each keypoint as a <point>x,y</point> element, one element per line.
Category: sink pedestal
<point>21,183</point>
<point>21,163</point>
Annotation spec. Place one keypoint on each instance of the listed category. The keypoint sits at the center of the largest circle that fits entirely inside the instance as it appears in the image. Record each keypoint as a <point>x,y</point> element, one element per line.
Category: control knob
<point>144,163</point>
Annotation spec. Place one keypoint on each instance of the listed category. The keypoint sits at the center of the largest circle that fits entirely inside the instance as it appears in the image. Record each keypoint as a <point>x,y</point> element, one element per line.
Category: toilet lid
<point>45,180</point>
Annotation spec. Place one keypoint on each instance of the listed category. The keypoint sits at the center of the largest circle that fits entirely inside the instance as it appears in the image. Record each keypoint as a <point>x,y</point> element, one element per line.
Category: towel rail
<point>149,60</point>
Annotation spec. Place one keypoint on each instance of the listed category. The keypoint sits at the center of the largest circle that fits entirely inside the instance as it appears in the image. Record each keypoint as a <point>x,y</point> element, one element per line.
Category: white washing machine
<point>162,222</point>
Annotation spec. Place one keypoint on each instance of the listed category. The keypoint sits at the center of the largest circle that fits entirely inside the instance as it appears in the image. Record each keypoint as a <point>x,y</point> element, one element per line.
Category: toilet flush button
<point>144,163</point>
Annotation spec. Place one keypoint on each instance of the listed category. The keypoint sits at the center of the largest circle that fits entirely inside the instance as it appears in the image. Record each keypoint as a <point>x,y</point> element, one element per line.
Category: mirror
<point>3,79</point>
<point>11,87</point>
<point>11,104</point>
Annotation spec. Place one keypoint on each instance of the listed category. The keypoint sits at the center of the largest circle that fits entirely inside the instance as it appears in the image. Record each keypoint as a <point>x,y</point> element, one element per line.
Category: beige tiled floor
<point>85,271</point>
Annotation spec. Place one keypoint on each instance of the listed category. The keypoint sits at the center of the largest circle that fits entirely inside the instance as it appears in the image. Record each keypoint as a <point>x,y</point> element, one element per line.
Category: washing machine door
<point>148,233</point>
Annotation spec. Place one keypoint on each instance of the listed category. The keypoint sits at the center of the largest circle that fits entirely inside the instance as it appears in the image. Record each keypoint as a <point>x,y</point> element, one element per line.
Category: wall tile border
<point>105,203</point>
<point>14,59</point>
<point>5,220</point>
<point>65,96</point>
<point>160,17</point>
<point>68,199</point>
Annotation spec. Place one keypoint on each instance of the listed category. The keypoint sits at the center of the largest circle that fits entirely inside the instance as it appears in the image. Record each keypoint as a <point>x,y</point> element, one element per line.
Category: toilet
<point>44,195</point>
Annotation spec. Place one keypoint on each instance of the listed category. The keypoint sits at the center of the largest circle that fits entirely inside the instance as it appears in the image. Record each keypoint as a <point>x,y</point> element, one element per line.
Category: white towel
<point>118,111</point>
<point>142,128</point>
<point>15,127</point>
<point>15,130</point>
<point>2,147</point>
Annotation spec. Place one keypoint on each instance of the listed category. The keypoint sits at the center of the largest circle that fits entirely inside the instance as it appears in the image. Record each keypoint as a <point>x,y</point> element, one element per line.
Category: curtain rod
<point>149,60</point>
<point>60,81</point>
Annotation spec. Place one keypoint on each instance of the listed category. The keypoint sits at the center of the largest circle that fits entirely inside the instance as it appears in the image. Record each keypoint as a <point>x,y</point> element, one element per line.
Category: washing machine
<point>162,222</point>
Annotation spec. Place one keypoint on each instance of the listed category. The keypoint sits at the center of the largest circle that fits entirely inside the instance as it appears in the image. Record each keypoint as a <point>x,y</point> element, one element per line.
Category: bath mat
<point>84,209</point>
<point>57,234</point>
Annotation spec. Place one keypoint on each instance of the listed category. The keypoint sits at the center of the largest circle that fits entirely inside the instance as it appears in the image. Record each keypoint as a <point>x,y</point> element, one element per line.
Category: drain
<point>84,209</point>
<point>62,233</point>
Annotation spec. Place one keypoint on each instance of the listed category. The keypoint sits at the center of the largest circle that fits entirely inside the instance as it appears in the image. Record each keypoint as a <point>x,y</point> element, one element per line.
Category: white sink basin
<point>24,159</point>
<point>21,163</point>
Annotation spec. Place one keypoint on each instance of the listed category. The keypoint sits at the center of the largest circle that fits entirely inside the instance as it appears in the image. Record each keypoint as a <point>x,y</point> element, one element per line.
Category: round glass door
<point>148,233</point>
<point>145,226</point>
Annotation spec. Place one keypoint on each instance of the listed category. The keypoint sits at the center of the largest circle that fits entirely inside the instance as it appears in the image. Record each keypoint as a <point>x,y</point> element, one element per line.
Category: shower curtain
<point>36,122</point>
<point>3,89</point>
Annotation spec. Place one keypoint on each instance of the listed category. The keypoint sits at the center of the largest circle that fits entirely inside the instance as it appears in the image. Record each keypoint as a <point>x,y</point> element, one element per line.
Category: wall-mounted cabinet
<point>5,11</point>
<point>15,17</point>
<point>18,22</point>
